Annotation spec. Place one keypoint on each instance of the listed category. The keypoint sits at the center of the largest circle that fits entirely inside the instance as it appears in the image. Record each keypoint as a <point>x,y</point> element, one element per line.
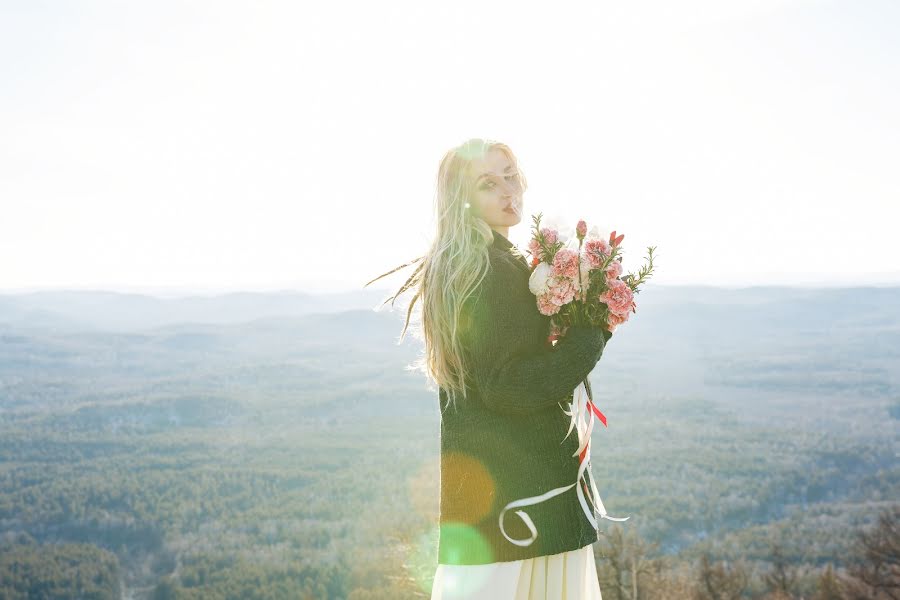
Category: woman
<point>502,388</point>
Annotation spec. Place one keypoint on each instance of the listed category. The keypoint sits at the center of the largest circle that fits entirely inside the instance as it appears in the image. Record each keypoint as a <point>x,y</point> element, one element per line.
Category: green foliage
<point>30,570</point>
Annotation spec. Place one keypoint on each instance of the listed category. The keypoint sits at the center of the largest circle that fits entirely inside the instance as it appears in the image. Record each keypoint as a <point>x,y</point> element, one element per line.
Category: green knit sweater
<point>505,441</point>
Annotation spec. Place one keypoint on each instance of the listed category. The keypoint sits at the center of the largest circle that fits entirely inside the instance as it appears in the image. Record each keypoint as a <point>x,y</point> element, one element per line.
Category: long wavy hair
<point>451,269</point>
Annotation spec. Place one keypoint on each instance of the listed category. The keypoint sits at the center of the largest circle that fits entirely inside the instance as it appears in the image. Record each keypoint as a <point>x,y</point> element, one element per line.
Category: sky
<point>184,147</point>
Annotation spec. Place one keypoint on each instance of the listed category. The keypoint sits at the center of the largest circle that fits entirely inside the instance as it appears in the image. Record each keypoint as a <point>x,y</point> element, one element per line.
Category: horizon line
<point>175,291</point>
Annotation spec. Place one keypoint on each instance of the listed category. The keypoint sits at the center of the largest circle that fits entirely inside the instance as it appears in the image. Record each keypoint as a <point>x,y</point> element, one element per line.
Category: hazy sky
<point>269,145</point>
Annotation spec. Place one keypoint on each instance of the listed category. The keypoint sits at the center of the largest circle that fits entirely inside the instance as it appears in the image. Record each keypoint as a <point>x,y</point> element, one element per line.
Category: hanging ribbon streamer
<point>584,429</point>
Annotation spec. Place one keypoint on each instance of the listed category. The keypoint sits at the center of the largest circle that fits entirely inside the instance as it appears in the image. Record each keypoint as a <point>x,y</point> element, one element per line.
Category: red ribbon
<point>597,412</point>
<point>602,418</point>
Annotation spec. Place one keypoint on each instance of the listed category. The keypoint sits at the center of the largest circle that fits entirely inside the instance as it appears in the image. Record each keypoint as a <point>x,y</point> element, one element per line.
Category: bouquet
<point>583,286</point>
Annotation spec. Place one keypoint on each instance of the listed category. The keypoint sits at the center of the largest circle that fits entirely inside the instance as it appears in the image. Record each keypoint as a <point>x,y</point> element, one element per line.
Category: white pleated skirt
<point>567,576</point>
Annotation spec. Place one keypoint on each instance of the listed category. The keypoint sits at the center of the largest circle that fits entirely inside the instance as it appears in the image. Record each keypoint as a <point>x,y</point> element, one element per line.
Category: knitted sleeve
<point>512,376</point>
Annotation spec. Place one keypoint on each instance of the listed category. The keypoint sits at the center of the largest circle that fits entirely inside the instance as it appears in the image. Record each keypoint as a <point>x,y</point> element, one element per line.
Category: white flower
<point>585,274</point>
<point>598,233</point>
<point>538,283</point>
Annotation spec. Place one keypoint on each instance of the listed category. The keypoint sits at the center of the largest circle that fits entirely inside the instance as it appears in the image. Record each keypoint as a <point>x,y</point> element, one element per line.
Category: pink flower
<point>550,235</point>
<point>565,263</point>
<point>616,320</point>
<point>613,270</point>
<point>562,290</point>
<point>618,297</point>
<point>581,229</point>
<point>596,251</point>
<point>534,247</point>
<point>545,306</point>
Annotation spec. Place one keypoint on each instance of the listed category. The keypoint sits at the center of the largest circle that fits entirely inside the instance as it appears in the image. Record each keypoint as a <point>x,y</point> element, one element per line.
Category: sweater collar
<point>500,241</point>
<point>504,245</point>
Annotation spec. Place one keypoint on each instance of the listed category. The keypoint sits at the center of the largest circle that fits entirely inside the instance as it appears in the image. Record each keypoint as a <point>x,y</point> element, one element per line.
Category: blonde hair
<point>453,267</point>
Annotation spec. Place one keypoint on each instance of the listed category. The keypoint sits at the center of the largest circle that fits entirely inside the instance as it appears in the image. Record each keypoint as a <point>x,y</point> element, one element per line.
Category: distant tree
<point>625,566</point>
<point>720,581</point>
<point>782,577</point>
<point>64,570</point>
<point>828,586</point>
<point>877,575</point>
<point>164,590</point>
<point>777,595</point>
<point>669,579</point>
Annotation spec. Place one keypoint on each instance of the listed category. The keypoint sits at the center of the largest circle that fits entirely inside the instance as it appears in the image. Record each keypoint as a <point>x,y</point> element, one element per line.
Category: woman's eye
<point>490,183</point>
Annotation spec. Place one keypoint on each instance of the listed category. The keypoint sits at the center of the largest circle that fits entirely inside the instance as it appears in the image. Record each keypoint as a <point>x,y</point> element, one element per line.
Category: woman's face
<point>498,191</point>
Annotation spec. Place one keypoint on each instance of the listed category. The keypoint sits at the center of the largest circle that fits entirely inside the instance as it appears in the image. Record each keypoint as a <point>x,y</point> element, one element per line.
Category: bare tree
<point>626,565</point>
<point>828,586</point>
<point>720,581</point>
<point>877,576</point>
<point>782,576</point>
<point>670,578</point>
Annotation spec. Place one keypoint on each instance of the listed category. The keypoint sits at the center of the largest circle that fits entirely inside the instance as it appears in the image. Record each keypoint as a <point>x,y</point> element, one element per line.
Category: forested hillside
<point>752,438</point>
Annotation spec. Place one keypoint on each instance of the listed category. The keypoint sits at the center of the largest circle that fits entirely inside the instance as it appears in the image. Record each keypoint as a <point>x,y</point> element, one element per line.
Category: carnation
<point>616,320</point>
<point>596,252</point>
<point>550,235</point>
<point>565,263</point>
<point>562,290</point>
<point>618,297</point>
<point>546,306</point>
<point>583,283</point>
<point>613,270</point>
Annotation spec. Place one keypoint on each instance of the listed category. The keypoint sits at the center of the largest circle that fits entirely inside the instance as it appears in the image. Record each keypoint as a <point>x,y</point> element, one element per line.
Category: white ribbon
<point>584,437</point>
